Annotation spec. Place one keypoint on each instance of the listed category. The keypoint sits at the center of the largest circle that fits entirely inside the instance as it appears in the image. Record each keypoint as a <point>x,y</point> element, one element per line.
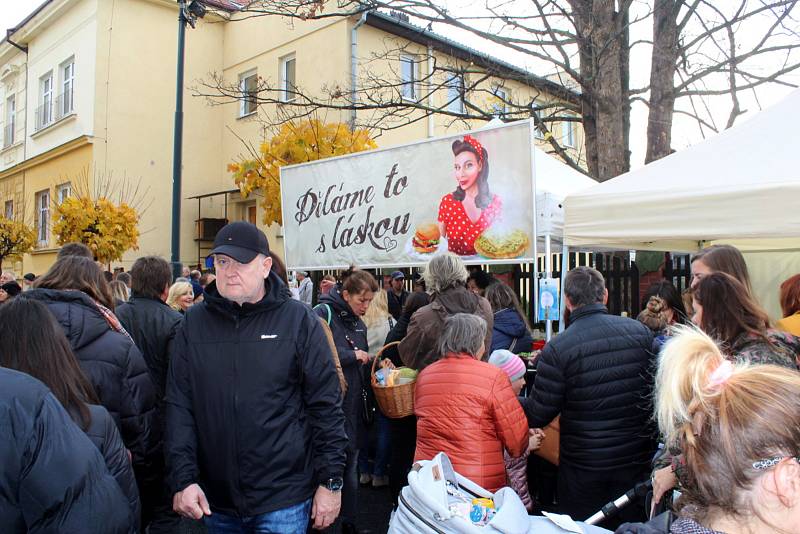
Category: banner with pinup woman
<point>469,194</point>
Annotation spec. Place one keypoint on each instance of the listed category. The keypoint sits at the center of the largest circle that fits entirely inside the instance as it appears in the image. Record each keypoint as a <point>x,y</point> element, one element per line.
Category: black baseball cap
<point>240,240</point>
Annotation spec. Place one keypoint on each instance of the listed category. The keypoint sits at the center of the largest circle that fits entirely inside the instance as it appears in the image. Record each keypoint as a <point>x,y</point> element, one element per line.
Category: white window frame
<point>8,209</point>
<point>10,121</point>
<point>63,192</point>
<point>42,216</point>
<point>67,70</point>
<point>247,101</point>
<point>456,93</point>
<point>409,77</point>
<point>501,106</point>
<point>568,132</point>
<point>288,87</point>
<point>46,99</point>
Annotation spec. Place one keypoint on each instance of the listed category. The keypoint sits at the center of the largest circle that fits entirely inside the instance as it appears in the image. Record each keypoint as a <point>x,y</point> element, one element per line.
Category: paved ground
<point>374,509</point>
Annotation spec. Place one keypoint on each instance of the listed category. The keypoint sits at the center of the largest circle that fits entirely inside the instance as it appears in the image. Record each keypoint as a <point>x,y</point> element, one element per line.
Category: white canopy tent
<point>741,187</point>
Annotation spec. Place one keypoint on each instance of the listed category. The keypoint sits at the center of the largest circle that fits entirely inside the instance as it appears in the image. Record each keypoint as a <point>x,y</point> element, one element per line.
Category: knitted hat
<point>12,288</point>
<point>508,362</point>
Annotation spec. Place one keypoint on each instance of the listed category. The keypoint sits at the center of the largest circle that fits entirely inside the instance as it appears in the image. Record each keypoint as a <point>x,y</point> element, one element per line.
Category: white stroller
<point>424,506</point>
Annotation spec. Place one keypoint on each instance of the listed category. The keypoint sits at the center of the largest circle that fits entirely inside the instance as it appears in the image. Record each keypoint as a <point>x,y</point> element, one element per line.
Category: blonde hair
<point>378,310</point>
<point>176,291</point>
<point>724,417</point>
<point>119,290</point>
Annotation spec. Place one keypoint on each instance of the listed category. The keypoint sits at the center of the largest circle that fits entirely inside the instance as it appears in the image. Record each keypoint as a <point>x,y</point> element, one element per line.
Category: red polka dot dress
<point>461,231</point>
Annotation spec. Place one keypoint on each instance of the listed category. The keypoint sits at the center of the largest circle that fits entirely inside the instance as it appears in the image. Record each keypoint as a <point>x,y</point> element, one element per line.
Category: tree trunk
<point>604,63</point>
<point>664,63</point>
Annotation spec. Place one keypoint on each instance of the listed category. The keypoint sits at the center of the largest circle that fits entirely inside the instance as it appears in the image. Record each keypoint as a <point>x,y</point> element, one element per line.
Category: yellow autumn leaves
<point>296,142</point>
<point>108,229</point>
<point>16,238</point>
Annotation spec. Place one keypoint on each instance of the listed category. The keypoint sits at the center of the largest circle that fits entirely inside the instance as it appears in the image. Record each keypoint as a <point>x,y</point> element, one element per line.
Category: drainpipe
<point>354,65</point>
<point>430,93</point>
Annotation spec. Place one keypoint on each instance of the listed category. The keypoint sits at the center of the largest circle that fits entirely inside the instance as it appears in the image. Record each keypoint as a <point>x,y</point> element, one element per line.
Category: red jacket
<point>467,409</point>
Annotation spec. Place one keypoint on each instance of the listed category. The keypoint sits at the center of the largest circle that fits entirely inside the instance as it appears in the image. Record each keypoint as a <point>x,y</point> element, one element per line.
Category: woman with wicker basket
<point>342,308</point>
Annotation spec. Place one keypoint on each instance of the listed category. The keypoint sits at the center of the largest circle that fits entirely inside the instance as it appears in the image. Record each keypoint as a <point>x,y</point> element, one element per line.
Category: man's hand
<point>326,507</point>
<point>362,356</point>
<point>191,502</point>
<point>664,480</point>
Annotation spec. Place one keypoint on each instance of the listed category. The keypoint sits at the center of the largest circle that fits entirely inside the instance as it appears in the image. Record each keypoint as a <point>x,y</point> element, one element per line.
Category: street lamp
<point>186,14</point>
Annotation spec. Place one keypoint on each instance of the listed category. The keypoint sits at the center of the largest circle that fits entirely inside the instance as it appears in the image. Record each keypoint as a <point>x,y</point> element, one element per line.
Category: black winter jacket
<point>105,436</point>
<point>114,367</point>
<point>349,333</point>
<point>509,326</point>
<point>253,410</point>
<point>598,375</point>
<point>52,480</point>
<point>152,325</point>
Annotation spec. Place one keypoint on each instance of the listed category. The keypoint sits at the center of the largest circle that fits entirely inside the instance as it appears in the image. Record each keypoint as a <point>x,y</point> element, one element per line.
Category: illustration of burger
<point>426,238</point>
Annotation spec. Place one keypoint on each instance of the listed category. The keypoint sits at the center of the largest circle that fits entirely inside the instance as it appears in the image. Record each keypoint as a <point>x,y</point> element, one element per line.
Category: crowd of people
<point>139,403</point>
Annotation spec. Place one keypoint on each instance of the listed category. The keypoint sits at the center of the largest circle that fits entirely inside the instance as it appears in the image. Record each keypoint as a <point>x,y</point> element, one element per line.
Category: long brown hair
<point>725,417</point>
<point>32,341</point>
<point>790,296</point>
<point>500,296</point>
<point>78,273</point>
<point>728,308</point>
<point>725,259</point>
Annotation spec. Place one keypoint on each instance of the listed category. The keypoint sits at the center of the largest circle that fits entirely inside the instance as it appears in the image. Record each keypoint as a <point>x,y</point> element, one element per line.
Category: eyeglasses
<point>224,262</point>
<point>767,463</point>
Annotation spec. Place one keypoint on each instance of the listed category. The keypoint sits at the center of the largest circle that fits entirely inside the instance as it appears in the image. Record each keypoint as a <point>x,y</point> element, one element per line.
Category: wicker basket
<point>394,401</point>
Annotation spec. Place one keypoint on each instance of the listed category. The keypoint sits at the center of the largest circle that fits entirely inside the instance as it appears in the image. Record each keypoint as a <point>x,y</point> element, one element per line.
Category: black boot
<point>349,528</point>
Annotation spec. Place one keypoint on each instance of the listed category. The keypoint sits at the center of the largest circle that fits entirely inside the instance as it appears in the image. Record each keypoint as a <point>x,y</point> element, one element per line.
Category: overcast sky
<point>685,132</point>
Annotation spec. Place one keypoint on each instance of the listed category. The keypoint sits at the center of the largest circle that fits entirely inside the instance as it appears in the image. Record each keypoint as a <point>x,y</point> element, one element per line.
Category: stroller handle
<point>612,508</point>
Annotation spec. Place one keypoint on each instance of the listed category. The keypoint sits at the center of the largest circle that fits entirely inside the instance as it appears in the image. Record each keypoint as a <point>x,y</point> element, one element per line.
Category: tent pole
<point>548,271</point>
<point>535,215</point>
<point>562,324</point>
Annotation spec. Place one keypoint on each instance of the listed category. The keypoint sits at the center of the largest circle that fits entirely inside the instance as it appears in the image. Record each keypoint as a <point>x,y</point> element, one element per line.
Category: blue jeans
<point>383,447</point>
<point>291,520</point>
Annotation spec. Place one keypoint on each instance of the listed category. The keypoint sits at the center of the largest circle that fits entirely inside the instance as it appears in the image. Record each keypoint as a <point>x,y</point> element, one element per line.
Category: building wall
<point>12,83</point>
<point>70,34</point>
<point>135,117</point>
<point>47,172</point>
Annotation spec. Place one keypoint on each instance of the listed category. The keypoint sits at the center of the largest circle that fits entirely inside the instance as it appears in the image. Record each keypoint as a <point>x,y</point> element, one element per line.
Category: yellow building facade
<point>93,90</point>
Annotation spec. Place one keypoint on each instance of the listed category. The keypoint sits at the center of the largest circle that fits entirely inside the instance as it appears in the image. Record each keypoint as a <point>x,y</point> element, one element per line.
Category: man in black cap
<point>397,295</point>
<point>255,429</point>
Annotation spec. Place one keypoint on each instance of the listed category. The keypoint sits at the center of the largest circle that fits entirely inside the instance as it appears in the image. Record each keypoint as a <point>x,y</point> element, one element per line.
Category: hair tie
<point>720,375</point>
<point>476,145</point>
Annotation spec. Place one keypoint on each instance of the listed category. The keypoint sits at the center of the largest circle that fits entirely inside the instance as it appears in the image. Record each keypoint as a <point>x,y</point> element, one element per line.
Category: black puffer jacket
<point>152,325</point>
<point>598,375</point>
<point>349,333</point>
<point>105,436</point>
<point>253,410</point>
<point>52,479</point>
<point>114,366</point>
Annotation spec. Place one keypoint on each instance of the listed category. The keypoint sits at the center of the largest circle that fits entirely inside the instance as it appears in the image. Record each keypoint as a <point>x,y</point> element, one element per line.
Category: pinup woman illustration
<point>468,211</point>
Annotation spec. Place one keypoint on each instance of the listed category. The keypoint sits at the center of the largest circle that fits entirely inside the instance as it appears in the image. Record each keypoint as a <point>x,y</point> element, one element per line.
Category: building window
<point>500,104</point>
<point>455,93</point>
<point>568,132</point>
<point>42,216</point>
<point>63,192</point>
<point>10,123</point>
<point>9,209</point>
<point>66,104</point>
<point>288,81</point>
<point>408,77</point>
<point>248,85</point>
<point>44,115</point>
